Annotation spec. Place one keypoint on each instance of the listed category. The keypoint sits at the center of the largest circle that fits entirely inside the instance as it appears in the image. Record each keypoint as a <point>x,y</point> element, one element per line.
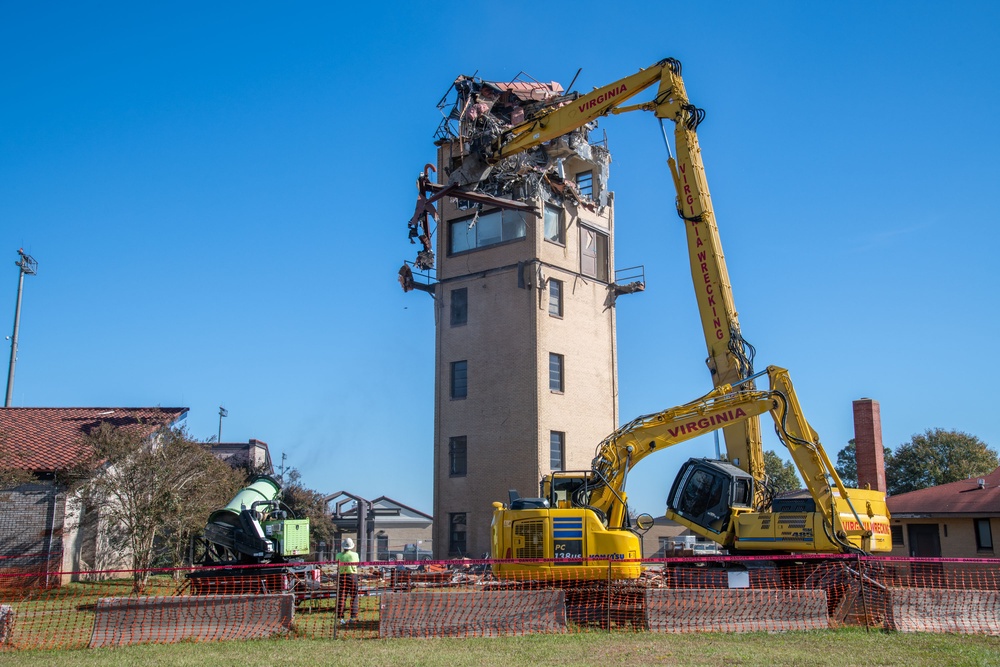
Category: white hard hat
<point>348,543</point>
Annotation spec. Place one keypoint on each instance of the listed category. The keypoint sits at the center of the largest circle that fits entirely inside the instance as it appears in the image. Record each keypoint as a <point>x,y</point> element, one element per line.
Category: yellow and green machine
<point>254,527</point>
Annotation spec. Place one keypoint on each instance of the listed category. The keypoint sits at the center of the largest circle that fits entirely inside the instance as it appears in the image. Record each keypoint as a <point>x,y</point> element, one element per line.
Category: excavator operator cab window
<point>703,490</point>
<point>742,492</point>
<point>564,488</point>
<point>703,494</point>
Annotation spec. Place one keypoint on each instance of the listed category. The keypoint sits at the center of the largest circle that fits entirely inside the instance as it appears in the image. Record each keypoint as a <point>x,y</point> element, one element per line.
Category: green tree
<point>936,457</point>
<point>847,464</point>
<point>181,528</point>
<point>152,491</point>
<point>782,475</point>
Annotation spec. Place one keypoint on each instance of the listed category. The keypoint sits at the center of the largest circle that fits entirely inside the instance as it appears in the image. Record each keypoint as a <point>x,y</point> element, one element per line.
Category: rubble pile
<point>479,117</point>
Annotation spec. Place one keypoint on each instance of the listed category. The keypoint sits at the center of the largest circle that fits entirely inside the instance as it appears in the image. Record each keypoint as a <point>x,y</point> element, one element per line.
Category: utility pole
<point>282,473</point>
<point>27,266</point>
<point>222,413</point>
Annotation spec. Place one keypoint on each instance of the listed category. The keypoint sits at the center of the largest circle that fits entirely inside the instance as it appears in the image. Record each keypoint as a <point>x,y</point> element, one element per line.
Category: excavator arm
<point>554,122</point>
<point>843,519</point>
<point>723,407</point>
<point>622,450</point>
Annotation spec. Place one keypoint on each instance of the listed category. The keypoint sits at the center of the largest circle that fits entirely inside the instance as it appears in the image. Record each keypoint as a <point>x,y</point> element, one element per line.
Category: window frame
<point>458,452</point>
<point>507,220</point>
<point>560,235</point>
<point>557,445</point>
<point>455,385</point>
<point>459,307</point>
<point>588,189</point>
<point>981,543</point>
<point>600,256</point>
<point>893,532</point>
<point>458,519</point>
<point>557,373</point>
<point>556,297</point>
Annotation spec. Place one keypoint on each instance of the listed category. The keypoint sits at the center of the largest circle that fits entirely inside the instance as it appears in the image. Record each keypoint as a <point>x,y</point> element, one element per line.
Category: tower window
<point>556,381</point>
<point>459,379</point>
<point>554,228</point>
<point>585,182</point>
<point>594,254</point>
<point>459,306</point>
<point>555,297</point>
<point>456,535</point>
<point>557,450</point>
<point>457,457</point>
<point>486,229</point>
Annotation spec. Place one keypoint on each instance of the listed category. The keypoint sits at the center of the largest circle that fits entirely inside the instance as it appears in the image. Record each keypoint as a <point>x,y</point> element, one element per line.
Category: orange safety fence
<point>40,608</point>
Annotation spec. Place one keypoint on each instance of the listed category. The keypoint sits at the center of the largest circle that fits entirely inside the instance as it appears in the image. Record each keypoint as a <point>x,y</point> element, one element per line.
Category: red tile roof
<point>50,439</point>
<point>962,497</point>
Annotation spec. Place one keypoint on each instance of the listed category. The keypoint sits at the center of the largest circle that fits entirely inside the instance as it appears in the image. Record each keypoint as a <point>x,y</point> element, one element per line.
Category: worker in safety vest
<point>347,579</point>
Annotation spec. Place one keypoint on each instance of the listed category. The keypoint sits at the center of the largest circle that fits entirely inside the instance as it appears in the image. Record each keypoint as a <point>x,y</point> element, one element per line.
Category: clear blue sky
<point>217,196</point>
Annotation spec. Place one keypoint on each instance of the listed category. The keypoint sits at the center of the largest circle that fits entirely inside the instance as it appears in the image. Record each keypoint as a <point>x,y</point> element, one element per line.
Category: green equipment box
<point>291,536</point>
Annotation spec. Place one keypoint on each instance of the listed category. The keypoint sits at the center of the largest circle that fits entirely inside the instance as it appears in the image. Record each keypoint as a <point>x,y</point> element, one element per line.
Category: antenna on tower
<point>28,266</point>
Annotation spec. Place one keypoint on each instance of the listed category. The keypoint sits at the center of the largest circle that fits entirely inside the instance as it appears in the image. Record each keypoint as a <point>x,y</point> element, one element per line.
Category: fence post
<point>336,623</point>
<point>864,597</point>
<point>608,603</point>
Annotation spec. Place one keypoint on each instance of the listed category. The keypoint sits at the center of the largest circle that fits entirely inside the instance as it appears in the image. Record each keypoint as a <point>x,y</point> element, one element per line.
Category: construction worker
<point>347,579</point>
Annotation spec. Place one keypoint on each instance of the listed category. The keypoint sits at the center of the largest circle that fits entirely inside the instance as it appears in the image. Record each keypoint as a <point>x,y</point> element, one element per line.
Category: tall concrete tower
<point>525,372</point>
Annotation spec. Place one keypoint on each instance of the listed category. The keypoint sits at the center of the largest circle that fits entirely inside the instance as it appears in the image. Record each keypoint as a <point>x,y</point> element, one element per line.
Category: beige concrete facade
<point>509,411</point>
<point>955,537</point>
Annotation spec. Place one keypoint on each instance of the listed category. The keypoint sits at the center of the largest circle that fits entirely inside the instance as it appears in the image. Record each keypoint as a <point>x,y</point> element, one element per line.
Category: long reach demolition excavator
<point>581,524</point>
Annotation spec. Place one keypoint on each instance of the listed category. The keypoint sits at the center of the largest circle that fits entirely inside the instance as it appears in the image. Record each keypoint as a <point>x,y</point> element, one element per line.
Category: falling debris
<point>479,117</point>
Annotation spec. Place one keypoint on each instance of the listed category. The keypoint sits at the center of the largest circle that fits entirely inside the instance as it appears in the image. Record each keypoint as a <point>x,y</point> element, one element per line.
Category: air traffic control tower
<point>524,292</point>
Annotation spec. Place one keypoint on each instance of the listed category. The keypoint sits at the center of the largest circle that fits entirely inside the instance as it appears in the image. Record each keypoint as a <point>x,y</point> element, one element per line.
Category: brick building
<point>253,455</point>
<point>525,373</point>
<point>956,520</point>
<point>42,527</point>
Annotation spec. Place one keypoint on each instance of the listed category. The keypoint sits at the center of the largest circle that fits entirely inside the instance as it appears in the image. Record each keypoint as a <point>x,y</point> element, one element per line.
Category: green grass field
<point>832,647</point>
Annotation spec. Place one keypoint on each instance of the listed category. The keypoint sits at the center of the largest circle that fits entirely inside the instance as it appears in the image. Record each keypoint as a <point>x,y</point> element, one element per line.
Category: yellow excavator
<point>581,522</point>
<point>581,528</point>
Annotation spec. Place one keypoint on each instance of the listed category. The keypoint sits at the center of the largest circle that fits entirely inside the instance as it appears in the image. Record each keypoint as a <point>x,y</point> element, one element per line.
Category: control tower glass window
<point>486,229</point>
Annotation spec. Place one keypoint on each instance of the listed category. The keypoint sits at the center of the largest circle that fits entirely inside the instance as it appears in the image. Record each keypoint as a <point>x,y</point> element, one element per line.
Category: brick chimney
<point>868,444</point>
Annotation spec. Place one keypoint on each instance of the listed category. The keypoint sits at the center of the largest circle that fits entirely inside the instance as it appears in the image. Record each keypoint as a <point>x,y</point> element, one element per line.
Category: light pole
<point>28,266</point>
<point>222,413</point>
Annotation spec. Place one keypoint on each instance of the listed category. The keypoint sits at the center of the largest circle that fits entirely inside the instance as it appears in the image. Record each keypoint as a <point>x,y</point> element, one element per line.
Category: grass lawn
<point>825,647</point>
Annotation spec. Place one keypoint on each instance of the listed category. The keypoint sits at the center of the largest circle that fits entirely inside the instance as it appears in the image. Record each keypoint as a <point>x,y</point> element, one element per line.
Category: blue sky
<point>217,196</point>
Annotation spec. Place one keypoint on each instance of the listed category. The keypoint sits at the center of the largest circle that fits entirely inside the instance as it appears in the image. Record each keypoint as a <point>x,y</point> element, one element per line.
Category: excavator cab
<point>567,489</point>
<point>706,491</point>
